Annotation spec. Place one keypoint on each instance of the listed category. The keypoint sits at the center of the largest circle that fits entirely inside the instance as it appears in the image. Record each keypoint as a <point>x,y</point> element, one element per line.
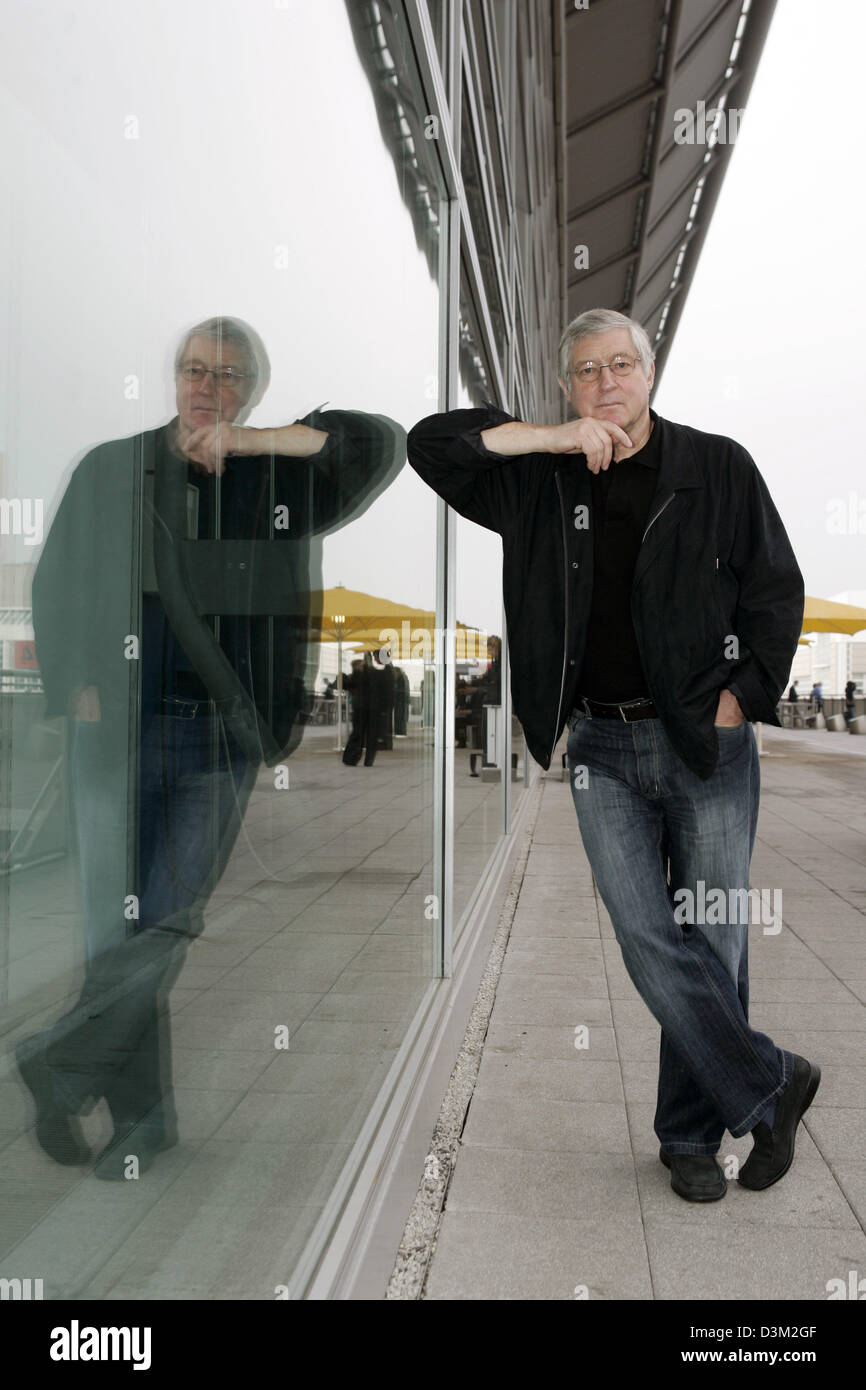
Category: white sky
<point>770,349</point>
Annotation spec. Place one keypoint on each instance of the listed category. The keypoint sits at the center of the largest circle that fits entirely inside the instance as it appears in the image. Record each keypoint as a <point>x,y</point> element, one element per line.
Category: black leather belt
<point>629,711</point>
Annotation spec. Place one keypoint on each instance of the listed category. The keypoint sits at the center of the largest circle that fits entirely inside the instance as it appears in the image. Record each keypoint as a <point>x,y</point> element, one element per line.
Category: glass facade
<point>256,742</point>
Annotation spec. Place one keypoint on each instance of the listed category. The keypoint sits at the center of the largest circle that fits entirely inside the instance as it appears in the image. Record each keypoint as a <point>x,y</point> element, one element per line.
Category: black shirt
<point>166,670</point>
<point>619,511</point>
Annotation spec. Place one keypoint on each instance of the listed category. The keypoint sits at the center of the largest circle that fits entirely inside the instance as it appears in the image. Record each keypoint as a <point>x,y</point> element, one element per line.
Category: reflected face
<point>622,399</point>
<point>209,400</point>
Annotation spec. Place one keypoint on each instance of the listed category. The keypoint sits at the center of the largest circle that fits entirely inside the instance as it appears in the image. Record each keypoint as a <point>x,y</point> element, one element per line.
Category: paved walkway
<point>557,1191</point>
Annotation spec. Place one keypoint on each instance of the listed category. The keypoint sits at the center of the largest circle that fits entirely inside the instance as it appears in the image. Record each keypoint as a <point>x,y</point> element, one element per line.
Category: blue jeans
<point>193,788</point>
<point>650,826</point>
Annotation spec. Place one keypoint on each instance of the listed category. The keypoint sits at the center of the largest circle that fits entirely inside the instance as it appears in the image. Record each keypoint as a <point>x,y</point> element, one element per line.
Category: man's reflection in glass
<point>183,664</point>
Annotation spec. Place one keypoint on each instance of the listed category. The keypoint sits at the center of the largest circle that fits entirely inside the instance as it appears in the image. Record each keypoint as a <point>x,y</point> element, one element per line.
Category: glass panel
<point>479,730</point>
<point>491,263</point>
<point>218,629</point>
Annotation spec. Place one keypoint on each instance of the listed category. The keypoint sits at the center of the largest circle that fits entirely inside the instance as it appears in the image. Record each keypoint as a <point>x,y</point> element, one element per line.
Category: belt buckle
<point>634,704</point>
<point>187,709</point>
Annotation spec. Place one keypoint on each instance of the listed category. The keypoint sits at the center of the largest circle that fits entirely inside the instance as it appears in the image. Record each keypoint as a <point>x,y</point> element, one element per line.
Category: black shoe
<point>773,1151</point>
<point>58,1131</point>
<point>696,1177</point>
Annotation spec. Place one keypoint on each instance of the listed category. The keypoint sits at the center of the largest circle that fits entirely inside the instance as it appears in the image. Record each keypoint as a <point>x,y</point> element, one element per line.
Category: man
<point>653,602</point>
<point>850,688</point>
<point>793,693</point>
<point>362,694</point>
<point>173,607</point>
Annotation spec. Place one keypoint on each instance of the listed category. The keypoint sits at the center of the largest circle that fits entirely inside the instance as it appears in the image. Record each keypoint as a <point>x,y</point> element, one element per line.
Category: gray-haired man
<point>654,603</point>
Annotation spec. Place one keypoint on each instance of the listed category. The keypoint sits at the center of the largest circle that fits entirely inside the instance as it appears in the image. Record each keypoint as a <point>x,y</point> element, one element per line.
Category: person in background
<point>363,691</point>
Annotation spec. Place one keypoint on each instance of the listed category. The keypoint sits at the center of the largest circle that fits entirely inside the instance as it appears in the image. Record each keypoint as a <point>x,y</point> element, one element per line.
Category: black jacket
<point>87,589</point>
<point>715,564</point>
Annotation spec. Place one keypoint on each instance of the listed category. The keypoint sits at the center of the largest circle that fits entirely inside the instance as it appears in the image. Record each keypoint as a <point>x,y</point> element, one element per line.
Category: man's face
<point>622,399</point>
<point>208,400</point>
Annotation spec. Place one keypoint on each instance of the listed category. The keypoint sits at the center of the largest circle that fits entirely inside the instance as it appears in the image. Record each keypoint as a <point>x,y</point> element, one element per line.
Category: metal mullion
<point>499,100</point>
<point>434,88</point>
<point>428,63</point>
<point>441,92</point>
<point>446,517</point>
<point>512,307</point>
<point>525,130</point>
<point>483,139</point>
<point>476,283</point>
<point>446,606</point>
<point>482,147</point>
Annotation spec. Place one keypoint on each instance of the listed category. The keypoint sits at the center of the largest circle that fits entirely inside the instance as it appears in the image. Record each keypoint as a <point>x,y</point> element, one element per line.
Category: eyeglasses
<point>591,371</point>
<point>222,376</point>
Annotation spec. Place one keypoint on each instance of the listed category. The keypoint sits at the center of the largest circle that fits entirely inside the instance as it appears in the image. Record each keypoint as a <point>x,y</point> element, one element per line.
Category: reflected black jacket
<point>87,589</point>
<point>715,564</point>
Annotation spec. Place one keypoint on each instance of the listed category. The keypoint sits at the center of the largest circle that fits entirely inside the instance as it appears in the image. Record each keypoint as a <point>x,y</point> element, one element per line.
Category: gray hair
<point>594,321</point>
<point>240,335</point>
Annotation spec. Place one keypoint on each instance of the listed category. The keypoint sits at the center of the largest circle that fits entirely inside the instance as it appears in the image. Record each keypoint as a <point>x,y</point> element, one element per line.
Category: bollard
<point>836,724</point>
<point>858,724</point>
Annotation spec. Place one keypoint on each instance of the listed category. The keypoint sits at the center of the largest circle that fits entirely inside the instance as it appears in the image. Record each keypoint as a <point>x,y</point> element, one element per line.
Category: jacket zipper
<point>565,605</point>
<point>657,515</point>
<point>666,503</point>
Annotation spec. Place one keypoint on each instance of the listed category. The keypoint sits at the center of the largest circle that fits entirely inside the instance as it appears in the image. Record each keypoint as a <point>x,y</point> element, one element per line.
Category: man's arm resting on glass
<point>210,445</point>
<point>597,439</point>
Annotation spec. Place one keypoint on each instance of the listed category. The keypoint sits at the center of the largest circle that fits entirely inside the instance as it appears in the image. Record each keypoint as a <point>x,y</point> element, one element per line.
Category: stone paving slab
<point>513,1182</point>
<point>750,1263</point>
<point>481,1255</point>
<point>557,1183</point>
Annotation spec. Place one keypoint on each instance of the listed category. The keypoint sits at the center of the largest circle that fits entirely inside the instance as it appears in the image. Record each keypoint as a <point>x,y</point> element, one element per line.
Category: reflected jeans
<point>642,811</point>
<point>192,796</point>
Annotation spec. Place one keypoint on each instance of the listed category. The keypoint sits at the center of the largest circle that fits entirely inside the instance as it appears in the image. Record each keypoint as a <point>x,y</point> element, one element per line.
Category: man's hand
<point>597,439</point>
<point>728,713</point>
<point>208,447</point>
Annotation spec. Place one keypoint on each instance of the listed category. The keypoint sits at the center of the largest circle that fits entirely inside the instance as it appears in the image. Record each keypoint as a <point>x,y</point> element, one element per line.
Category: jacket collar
<point>678,467</point>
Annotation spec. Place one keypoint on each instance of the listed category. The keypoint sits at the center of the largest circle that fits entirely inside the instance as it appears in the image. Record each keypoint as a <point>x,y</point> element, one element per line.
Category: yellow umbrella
<point>823,615</point>
<point>349,614</point>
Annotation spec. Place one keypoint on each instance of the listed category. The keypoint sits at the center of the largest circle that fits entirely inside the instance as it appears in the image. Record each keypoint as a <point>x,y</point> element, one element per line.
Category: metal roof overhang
<point>636,198</point>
